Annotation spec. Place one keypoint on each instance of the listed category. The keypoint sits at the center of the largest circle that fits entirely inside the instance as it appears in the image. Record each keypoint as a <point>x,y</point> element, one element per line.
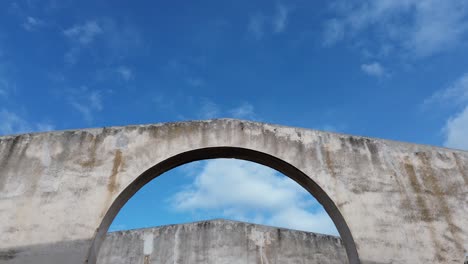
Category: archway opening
<point>201,195</point>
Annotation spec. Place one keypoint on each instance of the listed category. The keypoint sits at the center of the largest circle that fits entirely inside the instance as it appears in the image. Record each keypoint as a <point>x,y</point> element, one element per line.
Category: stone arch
<point>227,152</point>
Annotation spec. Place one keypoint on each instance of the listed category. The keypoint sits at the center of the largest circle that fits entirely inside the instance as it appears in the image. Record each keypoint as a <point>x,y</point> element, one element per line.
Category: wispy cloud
<point>6,86</point>
<point>12,123</point>
<point>243,111</point>
<point>374,69</point>
<point>208,110</point>
<point>125,72</point>
<point>84,33</point>
<point>456,130</point>
<point>422,28</point>
<point>46,126</point>
<point>334,31</point>
<point>281,18</point>
<point>32,23</point>
<point>455,94</point>
<point>260,24</point>
<point>251,192</point>
<point>121,40</point>
<point>87,102</point>
<point>80,35</point>
<point>7,83</point>
<point>115,41</point>
<point>455,98</point>
<point>256,26</point>
<point>121,74</point>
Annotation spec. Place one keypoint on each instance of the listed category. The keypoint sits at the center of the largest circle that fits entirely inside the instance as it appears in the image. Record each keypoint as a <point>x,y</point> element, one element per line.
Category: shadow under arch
<point>226,152</point>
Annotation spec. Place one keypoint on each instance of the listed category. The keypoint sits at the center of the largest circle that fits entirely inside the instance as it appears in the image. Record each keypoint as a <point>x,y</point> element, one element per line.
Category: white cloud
<point>121,40</point>
<point>208,110</point>
<point>6,88</point>
<point>334,32</point>
<point>3,88</point>
<point>80,35</point>
<point>454,97</point>
<point>95,100</point>
<point>374,69</point>
<point>457,93</point>
<point>420,27</point>
<point>280,19</point>
<point>243,111</point>
<point>456,131</point>
<point>84,33</point>
<point>12,123</point>
<point>439,25</point>
<point>114,41</point>
<point>86,102</point>
<point>297,218</point>
<point>32,23</point>
<point>256,26</point>
<point>45,127</point>
<point>260,24</point>
<point>125,72</point>
<point>252,192</point>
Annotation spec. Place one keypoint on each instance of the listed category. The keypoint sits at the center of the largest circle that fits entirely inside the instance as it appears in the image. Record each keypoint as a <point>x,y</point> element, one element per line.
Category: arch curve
<point>226,152</point>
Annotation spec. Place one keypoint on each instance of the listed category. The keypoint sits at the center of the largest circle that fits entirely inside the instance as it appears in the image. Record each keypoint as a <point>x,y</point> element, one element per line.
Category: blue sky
<point>395,69</point>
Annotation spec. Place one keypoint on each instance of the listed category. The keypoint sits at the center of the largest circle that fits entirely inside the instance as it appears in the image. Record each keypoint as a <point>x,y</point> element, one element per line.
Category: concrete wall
<point>220,242</point>
<point>392,202</point>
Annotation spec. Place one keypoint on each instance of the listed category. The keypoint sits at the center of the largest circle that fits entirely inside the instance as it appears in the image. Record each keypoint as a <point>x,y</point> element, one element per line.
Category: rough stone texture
<point>220,242</point>
<point>392,202</point>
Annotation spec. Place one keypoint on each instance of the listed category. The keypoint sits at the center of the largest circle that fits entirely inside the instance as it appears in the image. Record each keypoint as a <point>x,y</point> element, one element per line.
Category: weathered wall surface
<point>403,203</point>
<point>220,242</point>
